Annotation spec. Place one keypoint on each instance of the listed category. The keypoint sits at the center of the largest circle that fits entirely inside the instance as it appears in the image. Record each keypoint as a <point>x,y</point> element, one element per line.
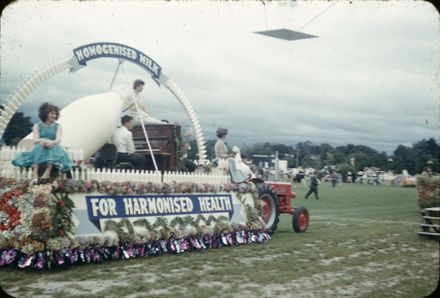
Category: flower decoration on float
<point>37,227</point>
<point>9,212</point>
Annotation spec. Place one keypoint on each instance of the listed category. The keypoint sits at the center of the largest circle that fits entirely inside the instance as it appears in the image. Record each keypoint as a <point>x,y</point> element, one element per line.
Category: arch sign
<point>115,50</point>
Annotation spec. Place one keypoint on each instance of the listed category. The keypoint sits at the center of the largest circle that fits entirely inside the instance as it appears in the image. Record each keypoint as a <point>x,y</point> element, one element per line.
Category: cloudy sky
<point>371,77</point>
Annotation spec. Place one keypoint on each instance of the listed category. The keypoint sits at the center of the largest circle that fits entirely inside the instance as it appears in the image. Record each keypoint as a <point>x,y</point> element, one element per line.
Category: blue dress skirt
<point>43,155</point>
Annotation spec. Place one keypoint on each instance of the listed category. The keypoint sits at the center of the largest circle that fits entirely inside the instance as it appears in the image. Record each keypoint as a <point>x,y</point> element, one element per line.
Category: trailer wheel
<point>300,220</point>
<point>269,207</point>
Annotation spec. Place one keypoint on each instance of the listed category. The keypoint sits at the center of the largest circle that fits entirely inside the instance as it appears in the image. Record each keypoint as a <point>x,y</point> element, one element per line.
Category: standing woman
<point>47,150</point>
<point>220,149</point>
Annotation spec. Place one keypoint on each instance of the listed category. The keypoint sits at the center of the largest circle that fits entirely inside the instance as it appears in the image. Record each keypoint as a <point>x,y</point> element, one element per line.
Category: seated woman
<point>47,150</point>
<point>240,171</point>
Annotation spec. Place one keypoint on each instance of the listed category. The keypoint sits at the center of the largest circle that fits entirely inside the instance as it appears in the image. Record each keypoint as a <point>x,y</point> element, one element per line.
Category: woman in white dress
<point>240,171</point>
<point>138,87</point>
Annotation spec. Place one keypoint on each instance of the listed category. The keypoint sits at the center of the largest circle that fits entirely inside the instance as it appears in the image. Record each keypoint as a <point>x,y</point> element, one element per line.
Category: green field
<point>361,242</point>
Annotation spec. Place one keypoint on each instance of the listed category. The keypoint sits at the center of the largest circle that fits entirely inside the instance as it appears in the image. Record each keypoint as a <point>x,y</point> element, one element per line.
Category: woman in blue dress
<point>47,150</point>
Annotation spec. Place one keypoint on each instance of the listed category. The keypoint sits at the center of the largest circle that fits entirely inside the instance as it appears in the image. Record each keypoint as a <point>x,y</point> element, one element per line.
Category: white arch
<point>18,97</point>
<point>60,65</point>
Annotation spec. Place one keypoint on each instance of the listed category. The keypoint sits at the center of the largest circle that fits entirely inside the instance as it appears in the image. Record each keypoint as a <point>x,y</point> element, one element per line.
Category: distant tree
<point>414,159</point>
<point>340,156</point>
<point>350,148</point>
<point>343,169</point>
<point>426,150</point>
<point>361,160</point>
<point>282,149</point>
<point>366,157</point>
<point>306,154</point>
<point>342,150</point>
<point>404,158</point>
<point>326,156</point>
<point>259,149</point>
<point>380,160</point>
<point>19,127</point>
<point>365,149</point>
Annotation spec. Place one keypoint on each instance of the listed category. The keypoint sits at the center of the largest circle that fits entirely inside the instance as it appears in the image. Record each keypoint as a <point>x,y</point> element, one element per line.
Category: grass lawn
<point>361,242</point>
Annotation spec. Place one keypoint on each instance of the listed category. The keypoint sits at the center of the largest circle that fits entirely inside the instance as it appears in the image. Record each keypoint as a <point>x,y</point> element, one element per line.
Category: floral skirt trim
<point>49,259</point>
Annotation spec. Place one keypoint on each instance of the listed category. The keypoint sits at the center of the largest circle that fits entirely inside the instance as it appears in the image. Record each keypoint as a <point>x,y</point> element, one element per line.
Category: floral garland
<point>9,213</point>
<point>428,189</point>
<point>87,252</point>
<point>37,229</point>
<point>128,188</point>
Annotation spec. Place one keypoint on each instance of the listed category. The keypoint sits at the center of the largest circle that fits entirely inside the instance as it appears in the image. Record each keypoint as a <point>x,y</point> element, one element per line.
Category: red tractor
<point>276,198</point>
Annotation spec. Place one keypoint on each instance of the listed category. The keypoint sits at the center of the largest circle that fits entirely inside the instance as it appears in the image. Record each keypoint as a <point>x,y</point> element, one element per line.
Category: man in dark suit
<point>314,182</point>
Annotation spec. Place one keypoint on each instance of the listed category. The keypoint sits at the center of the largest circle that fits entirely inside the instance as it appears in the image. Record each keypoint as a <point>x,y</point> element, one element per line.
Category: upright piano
<point>164,139</point>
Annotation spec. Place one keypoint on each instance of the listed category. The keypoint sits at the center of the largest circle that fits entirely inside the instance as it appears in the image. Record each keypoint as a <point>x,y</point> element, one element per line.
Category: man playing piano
<point>123,139</point>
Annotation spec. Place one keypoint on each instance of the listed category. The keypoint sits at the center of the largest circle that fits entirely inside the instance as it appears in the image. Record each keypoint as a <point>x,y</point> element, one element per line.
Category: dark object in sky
<point>286,34</point>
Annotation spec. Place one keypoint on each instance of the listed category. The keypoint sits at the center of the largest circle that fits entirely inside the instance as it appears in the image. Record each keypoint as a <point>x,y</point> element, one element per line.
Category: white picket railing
<point>18,174</point>
<point>118,175</point>
<point>75,154</point>
<point>169,177</point>
<point>7,153</point>
<point>223,164</point>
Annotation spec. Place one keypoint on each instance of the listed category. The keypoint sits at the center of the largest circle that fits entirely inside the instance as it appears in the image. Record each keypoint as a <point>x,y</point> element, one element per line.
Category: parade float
<point>118,213</point>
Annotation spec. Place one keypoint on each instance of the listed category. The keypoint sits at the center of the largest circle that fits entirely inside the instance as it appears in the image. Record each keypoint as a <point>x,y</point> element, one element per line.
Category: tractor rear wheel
<point>269,207</point>
<point>300,220</point>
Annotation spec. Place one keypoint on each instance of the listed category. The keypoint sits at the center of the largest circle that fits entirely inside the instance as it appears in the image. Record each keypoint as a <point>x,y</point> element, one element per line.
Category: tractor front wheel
<point>300,220</point>
<point>269,207</point>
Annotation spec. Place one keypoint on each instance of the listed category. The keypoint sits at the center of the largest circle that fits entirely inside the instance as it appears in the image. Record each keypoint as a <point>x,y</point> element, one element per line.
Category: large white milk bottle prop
<point>89,122</point>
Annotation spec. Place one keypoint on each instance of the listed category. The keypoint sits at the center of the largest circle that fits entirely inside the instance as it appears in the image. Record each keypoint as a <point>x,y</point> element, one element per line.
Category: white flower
<point>4,217</point>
